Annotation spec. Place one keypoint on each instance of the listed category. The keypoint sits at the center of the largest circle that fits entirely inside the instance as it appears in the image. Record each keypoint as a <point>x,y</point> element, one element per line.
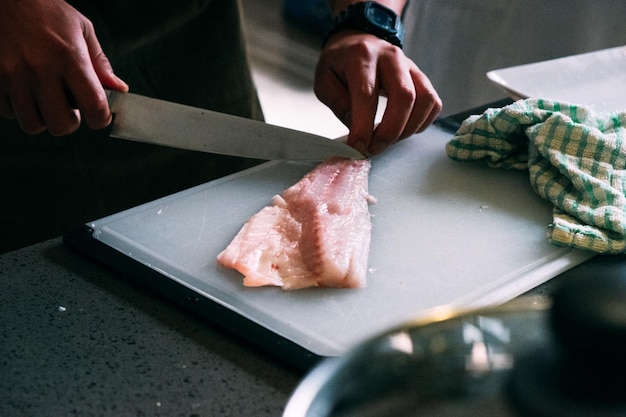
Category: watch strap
<point>355,17</point>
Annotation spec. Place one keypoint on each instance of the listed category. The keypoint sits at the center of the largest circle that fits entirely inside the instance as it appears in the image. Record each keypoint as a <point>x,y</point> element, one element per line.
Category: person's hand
<point>52,68</point>
<point>354,70</point>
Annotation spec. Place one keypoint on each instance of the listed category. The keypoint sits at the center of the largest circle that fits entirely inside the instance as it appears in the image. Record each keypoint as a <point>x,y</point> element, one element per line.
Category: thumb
<point>105,73</point>
<point>102,66</point>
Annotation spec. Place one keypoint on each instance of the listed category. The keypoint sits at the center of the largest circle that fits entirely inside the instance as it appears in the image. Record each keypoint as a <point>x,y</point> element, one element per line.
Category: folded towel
<point>576,159</point>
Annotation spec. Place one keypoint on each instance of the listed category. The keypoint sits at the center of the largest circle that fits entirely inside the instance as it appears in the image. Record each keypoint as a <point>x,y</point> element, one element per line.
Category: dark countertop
<point>76,339</point>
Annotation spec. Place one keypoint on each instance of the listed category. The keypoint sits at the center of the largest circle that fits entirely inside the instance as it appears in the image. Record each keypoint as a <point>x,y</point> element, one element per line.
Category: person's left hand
<point>354,70</point>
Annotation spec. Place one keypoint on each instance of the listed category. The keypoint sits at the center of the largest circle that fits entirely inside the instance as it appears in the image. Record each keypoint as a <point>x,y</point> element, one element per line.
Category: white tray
<point>596,79</point>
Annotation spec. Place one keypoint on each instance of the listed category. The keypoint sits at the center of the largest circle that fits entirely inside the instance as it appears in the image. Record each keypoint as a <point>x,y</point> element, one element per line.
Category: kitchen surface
<point>78,339</point>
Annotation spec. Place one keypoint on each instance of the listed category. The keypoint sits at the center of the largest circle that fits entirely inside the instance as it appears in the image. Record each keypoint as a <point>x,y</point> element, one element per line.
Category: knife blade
<point>144,119</point>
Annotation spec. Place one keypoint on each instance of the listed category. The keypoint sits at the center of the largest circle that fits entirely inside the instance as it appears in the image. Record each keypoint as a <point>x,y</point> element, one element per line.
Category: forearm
<point>337,6</point>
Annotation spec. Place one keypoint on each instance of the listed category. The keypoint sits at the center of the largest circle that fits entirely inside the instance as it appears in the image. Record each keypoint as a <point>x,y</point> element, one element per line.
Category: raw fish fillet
<point>316,234</point>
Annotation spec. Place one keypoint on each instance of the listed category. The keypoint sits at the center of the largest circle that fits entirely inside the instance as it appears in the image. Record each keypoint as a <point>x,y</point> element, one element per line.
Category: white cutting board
<point>444,232</point>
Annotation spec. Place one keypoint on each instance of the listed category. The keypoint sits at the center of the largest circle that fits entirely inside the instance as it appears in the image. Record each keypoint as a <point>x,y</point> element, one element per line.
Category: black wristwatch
<point>370,17</point>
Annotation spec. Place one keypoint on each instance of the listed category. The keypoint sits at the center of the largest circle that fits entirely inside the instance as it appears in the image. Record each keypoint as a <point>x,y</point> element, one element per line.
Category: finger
<point>429,100</point>
<point>105,73</point>
<point>57,112</point>
<point>26,112</point>
<point>6,109</point>
<point>84,85</point>
<point>330,90</point>
<point>400,91</point>
<point>363,93</point>
<point>427,105</point>
<point>434,112</point>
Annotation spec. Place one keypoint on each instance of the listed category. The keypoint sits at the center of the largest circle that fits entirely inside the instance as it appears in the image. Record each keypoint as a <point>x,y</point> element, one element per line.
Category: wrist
<point>369,17</point>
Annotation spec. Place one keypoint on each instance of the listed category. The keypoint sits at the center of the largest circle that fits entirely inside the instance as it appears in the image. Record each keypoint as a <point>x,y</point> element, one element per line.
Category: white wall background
<point>455,42</point>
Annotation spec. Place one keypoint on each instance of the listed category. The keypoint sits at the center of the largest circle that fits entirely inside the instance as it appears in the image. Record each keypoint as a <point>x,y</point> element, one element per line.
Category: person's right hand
<point>52,68</point>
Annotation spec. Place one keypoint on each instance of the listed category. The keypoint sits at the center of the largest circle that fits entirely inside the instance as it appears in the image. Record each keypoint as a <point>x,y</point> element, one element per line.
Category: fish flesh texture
<point>315,234</point>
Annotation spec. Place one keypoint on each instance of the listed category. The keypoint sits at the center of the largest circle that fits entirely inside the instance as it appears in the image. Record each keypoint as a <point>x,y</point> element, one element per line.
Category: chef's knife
<point>145,119</point>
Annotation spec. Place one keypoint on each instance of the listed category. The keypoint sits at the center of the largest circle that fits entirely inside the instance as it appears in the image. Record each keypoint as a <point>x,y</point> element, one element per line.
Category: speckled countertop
<point>77,340</point>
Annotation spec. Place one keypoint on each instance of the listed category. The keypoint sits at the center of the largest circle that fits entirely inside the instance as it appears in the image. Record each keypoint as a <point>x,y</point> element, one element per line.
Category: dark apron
<point>187,52</point>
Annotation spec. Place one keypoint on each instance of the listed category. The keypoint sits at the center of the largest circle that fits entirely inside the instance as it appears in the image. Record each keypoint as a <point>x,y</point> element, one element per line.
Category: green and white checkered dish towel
<point>576,159</point>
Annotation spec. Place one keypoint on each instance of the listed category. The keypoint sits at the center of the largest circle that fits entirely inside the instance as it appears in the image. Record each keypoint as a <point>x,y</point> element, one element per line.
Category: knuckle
<point>364,49</point>
<point>406,94</point>
<point>99,117</point>
<point>365,91</point>
<point>432,98</point>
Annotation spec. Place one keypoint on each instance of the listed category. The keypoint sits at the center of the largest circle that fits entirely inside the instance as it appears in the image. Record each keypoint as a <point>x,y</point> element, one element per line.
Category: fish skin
<point>315,234</point>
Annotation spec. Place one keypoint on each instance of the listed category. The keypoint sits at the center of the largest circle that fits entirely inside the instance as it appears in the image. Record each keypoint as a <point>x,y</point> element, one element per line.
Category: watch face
<point>380,18</point>
<point>370,17</point>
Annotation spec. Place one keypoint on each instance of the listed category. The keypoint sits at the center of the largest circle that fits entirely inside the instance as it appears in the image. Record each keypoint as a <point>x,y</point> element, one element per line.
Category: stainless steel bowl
<point>452,365</point>
<point>521,359</point>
